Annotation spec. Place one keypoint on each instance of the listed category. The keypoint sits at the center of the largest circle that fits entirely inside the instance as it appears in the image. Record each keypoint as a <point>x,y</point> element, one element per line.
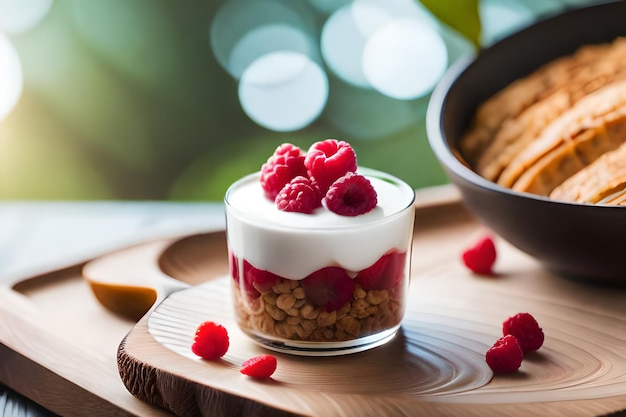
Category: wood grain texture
<point>58,347</point>
<point>61,347</point>
<point>435,366</point>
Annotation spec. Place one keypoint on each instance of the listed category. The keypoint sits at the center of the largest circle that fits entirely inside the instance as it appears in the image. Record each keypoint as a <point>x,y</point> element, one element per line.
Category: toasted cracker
<point>604,107</point>
<point>572,156</point>
<point>510,102</point>
<point>516,133</point>
<point>603,181</point>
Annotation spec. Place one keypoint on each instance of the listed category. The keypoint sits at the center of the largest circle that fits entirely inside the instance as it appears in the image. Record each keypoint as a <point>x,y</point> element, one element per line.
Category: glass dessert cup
<point>321,284</point>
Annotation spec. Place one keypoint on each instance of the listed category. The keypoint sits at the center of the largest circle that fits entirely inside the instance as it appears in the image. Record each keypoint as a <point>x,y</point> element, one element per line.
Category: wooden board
<point>55,333</point>
<point>435,366</point>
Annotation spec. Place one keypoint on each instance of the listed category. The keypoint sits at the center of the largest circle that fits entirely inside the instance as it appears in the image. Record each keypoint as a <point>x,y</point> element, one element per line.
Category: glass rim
<point>368,172</point>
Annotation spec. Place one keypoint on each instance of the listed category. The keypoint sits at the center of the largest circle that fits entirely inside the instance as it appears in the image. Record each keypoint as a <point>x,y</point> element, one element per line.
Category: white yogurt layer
<point>293,245</point>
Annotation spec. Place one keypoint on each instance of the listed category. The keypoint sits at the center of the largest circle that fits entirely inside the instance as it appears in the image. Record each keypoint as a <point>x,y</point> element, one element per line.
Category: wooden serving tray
<point>62,347</point>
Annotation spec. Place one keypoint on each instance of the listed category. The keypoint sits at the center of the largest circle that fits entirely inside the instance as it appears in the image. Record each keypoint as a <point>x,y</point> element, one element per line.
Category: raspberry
<point>261,367</point>
<point>286,163</point>
<point>299,195</point>
<point>351,195</point>
<point>481,257</point>
<point>329,287</point>
<point>505,355</point>
<point>258,281</point>
<point>211,341</point>
<point>526,330</point>
<point>386,273</point>
<point>328,160</point>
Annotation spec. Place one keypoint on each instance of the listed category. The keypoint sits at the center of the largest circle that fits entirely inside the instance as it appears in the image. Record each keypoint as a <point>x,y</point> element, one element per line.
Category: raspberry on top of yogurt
<point>328,160</point>
<point>324,175</point>
<point>285,164</point>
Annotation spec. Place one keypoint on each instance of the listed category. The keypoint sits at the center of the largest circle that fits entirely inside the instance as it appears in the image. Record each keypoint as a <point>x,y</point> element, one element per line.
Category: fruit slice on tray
<point>604,181</point>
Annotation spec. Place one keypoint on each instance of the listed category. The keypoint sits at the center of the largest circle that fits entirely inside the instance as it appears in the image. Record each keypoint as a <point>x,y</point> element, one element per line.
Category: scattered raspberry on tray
<point>521,332</point>
<point>211,341</point>
<point>260,367</point>
<point>526,330</point>
<point>481,257</point>
<point>505,356</point>
<point>351,195</point>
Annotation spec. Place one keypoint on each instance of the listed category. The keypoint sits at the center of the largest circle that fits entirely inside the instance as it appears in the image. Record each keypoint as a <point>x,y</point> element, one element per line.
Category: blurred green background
<point>128,100</point>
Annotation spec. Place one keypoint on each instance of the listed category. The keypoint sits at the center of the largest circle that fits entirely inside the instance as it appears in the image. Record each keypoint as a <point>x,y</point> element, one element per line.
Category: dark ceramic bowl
<point>575,240</point>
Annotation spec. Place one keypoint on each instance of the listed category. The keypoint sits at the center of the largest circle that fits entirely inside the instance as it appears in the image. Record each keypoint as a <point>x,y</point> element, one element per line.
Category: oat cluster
<point>285,312</point>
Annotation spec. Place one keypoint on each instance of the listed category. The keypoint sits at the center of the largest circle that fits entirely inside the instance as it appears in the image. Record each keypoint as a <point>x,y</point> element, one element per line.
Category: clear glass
<point>320,284</point>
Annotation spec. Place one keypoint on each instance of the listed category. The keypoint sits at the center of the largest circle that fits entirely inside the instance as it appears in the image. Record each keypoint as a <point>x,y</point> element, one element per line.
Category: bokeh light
<point>243,31</point>
<point>328,6</point>
<point>366,114</point>
<point>20,16</point>
<point>501,18</point>
<point>283,91</point>
<point>347,32</point>
<point>265,40</point>
<point>393,47</point>
<point>269,47</point>
<point>344,36</point>
<point>404,59</point>
<point>11,78</point>
<point>151,99</point>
